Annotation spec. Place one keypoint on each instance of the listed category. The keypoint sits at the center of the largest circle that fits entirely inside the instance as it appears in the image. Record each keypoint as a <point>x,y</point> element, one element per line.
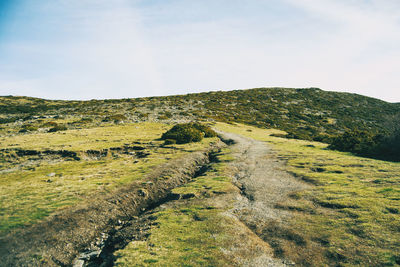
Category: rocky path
<point>263,181</point>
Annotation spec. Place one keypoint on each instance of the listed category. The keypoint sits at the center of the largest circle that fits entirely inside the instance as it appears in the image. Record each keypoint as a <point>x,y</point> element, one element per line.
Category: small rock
<point>78,263</point>
<point>52,174</point>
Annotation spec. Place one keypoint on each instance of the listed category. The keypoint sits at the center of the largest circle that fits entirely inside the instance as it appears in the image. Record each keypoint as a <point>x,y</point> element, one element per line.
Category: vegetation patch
<point>35,185</point>
<point>190,232</point>
<point>363,143</point>
<point>349,217</point>
<point>187,133</point>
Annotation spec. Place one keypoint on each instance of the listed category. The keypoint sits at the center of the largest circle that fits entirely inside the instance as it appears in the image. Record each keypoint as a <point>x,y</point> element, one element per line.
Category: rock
<point>52,174</point>
<point>78,263</point>
<point>90,255</point>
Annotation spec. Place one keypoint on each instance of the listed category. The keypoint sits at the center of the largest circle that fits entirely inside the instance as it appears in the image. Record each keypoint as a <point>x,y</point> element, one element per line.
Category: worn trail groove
<point>263,181</point>
<point>89,227</point>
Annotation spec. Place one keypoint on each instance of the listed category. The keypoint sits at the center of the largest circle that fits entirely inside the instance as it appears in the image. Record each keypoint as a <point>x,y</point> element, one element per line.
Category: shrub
<point>356,141</point>
<point>385,147</point>
<point>115,118</point>
<point>188,132</point>
<point>49,124</point>
<point>389,147</point>
<point>169,142</point>
<point>28,127</point>
<point>208,132</point>
<point>85,120</point>
<point>57,128</point>
<point>142,115</point>
<point>163,117</point>
<point>183,133</point>
<point>168,114</point>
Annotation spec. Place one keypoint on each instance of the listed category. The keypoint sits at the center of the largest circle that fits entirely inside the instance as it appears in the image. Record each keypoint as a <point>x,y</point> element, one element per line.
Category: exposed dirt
<point>264,183</point>
<point>88,234</point>
<point>88,228</point>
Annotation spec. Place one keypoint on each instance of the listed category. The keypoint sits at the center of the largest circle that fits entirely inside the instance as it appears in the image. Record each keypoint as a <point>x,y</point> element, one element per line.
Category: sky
<point>96,49</point>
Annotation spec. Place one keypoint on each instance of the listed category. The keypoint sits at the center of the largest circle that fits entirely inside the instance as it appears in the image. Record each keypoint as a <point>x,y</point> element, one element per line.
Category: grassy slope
<point>199,231</point>
<point>351,214</point>
<point>189,232</point>
<point>28,193</point>
<point>306,113</point>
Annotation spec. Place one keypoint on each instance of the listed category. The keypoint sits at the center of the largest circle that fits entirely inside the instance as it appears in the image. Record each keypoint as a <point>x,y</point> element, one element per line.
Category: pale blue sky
<point>84,49</point>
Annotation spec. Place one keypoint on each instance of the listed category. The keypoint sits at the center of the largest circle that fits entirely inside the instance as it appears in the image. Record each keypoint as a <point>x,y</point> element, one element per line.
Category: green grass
<point>29,194</point>
<point>83,139</point>
<point>191,232</point>
<point>350,216</point>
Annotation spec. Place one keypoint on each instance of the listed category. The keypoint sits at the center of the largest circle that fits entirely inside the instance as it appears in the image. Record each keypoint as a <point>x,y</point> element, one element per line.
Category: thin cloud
<point>98,49</point>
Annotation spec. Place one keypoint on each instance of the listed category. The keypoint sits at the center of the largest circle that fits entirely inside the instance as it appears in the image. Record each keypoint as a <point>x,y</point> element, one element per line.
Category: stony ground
<point>263,181</point>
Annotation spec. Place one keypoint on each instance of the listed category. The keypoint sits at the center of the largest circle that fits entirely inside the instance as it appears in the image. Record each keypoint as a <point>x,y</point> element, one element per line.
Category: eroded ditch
<point>87,235</point>
<point>136,228</point>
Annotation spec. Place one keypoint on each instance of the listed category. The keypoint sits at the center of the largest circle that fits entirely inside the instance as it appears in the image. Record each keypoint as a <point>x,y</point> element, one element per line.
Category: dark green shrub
<point>183,113</point>
<point>169,142</point>
<point>115,118</point>
<point>142,115</point>
<point>168,114</point>
<point>385,147</point>
<point>188,132</point>
<point>183,133</point>
<point>30,128</point>
<point>49,124</point>
<point>162,117</point>
<point>389,147</point>
<point>356,141</point>
<point>208,132</point>
<point>85,120</point>
<point>58,128</point>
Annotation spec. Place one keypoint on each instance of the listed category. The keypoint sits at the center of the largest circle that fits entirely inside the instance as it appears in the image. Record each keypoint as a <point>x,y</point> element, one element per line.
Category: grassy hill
<point>92,172</point>
<point>311,113</point>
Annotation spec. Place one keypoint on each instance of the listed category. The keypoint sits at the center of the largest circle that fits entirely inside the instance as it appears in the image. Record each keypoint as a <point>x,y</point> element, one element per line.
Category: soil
<point>264,183</point>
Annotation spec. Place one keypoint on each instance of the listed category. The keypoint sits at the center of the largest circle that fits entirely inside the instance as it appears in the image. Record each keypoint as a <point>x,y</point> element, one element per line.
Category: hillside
<point>311,114</point>
<point>95,183</point>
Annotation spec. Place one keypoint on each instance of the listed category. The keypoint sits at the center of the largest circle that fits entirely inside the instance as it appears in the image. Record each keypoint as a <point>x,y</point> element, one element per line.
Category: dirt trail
<point>262,178</point>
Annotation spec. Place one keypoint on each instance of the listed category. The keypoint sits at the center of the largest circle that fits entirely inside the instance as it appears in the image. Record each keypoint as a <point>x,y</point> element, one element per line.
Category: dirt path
<point>264,183</point>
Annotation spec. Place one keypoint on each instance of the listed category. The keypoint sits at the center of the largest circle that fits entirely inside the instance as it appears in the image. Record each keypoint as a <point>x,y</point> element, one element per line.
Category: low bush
<point>188,132</point>
<point>58,128</point>
<point>49,124</point>
<point>85,120</point>
<point>208,132</point>
<point>355,141</point>
<point>362,143</point>
<point>162,117</point>
<point>115,118</point>
<point>28,127</point>
<point>169,142</point>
